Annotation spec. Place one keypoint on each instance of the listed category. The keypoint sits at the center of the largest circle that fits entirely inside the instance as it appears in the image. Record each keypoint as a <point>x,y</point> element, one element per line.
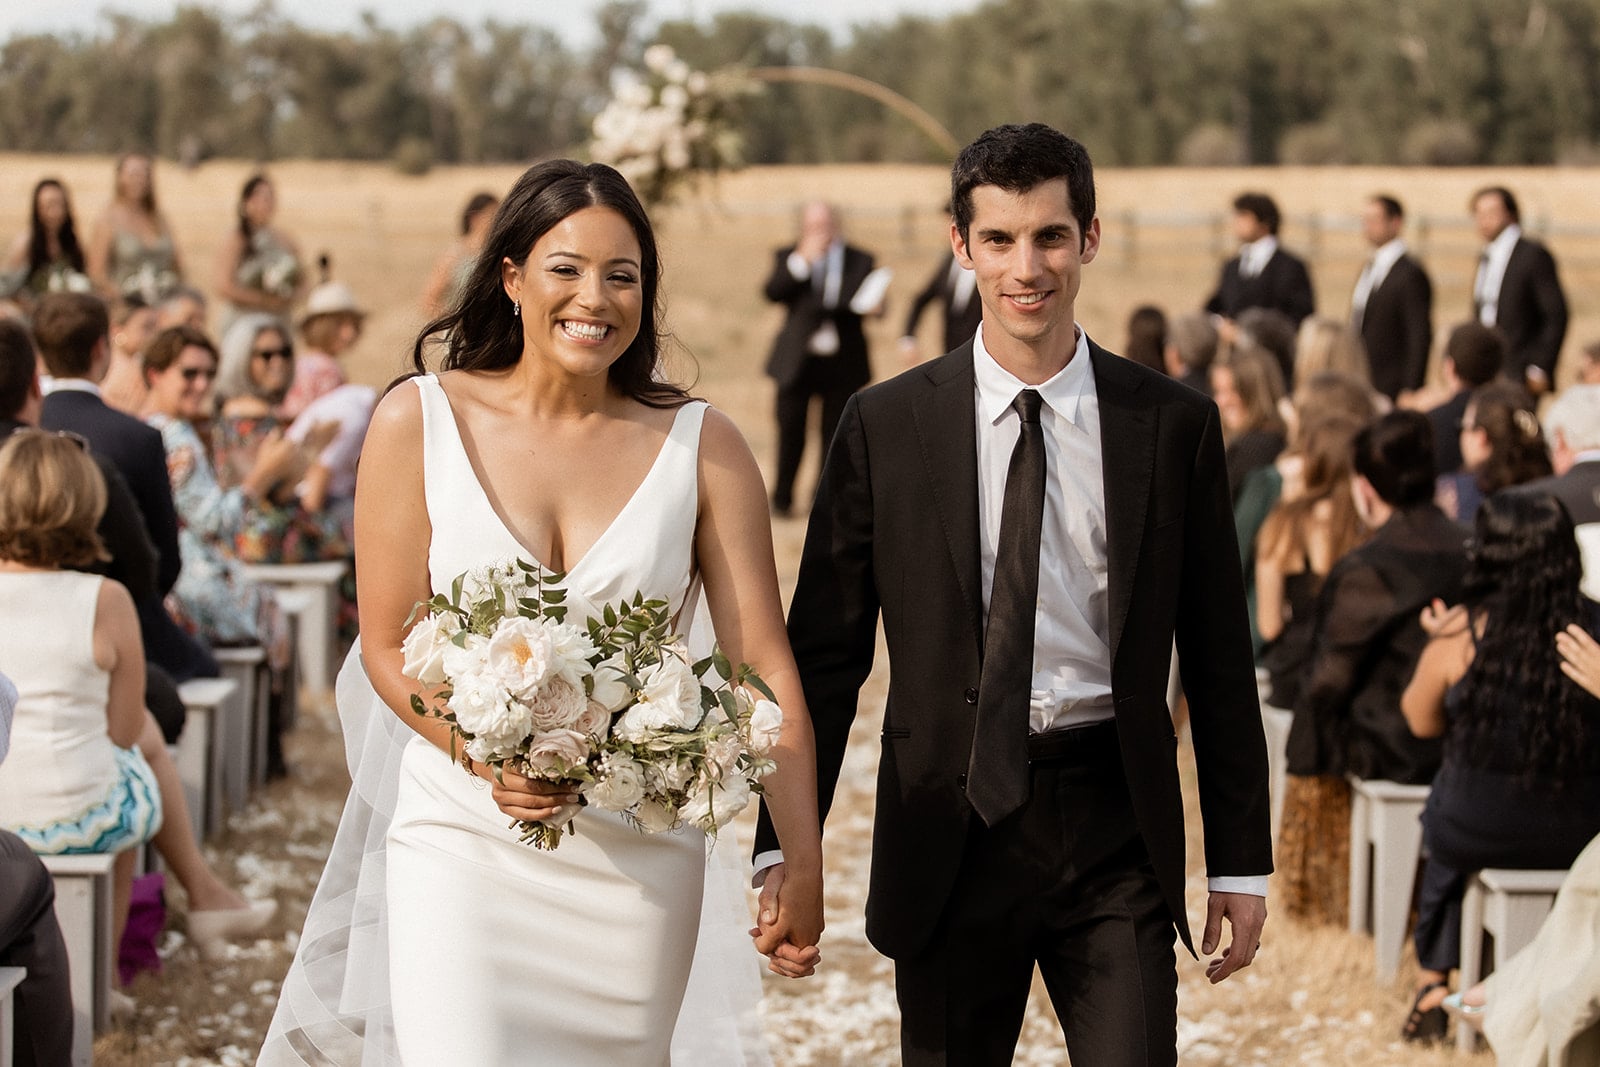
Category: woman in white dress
<point>550,436</point>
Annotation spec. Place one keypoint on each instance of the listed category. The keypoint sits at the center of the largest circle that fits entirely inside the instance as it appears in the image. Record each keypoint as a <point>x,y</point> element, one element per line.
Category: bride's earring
<point>516,309</point>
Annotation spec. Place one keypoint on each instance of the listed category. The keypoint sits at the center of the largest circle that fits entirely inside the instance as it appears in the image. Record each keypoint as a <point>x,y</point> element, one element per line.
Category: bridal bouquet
<point>615,705</point>
<point>669,124</point>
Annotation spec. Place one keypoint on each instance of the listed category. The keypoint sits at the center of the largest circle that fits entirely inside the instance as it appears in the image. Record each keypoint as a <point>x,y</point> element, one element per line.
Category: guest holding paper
<point>821,351</point>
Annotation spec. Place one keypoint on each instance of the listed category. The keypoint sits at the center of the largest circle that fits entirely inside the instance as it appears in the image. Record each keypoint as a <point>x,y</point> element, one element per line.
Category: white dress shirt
<point>68,385</point>
<point>1253,255</point>
<point>1372,276</point>
<point>1492,273</point>
<point>825,341</point>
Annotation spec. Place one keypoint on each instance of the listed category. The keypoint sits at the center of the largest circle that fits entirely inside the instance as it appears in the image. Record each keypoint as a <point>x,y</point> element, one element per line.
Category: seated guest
<point>89,771</point>
<point>330,326</point>
<point>1473,356</point>
<point>182,307</point>
<point>1324,344</point>
<point>1572,430</point>
<point>133,323</point>
<point>253,375</point>
<point>330,484</point>
<point>1365,643</point>
<point>1147,337</point>
<point>1272,331</point>
<point>70,330</point>
<point>1501,446</point>
<point>1520,781</point>
<point>1247,387</point>
<point>1191,349</point>
<point>31,939</point>
<point>1310,530</point>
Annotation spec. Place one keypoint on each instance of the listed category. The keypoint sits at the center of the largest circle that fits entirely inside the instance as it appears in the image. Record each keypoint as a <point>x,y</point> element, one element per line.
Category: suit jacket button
<point>961,782</point>
<point>971,694</point>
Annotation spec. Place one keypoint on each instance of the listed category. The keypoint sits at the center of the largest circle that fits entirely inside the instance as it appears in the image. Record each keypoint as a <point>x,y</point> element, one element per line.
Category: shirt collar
<point>1506,238</point>
<point>1063,393</point>
<point>1388,254</point>
<point>1260,250</point>
<point>71,385</point>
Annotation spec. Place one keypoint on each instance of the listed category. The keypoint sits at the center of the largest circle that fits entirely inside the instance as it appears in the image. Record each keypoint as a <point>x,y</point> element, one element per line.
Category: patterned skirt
<point>1314,850</point>
<point>129,816</point>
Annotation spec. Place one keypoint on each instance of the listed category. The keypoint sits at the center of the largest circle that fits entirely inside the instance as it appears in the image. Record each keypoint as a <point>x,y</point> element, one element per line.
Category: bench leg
<point>1397,844</point>
<point>76,914</point>
<point>1471,956</point>
<point>1360,861</point>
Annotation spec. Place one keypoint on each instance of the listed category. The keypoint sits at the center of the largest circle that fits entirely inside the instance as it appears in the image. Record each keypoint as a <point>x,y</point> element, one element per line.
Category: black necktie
<point>997,775</point>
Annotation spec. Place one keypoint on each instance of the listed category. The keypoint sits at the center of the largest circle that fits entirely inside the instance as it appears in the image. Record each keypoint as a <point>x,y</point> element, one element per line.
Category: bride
<point>434,935</point>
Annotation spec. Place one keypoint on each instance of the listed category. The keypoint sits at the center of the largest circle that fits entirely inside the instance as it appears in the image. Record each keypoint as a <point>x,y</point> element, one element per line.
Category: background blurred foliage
<point>1143,81</point>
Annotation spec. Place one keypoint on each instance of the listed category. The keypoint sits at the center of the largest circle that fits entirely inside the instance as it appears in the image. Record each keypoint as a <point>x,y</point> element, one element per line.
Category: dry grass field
<point>1310,999</point>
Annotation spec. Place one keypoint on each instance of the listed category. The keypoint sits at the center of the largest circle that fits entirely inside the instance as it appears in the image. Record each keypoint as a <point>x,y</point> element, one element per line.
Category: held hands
<point>790,922</point>
<point>1246,914</point>
<point>528,799</point>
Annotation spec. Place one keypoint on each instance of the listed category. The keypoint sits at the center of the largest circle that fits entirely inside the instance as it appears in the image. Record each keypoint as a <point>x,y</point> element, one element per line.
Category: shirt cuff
<point>765,861</point>
<point>800,267</point>
<point>1254,885</point>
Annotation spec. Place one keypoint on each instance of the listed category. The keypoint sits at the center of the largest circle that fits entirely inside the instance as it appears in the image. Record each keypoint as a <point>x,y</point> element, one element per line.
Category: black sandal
<point>1425,1026</point>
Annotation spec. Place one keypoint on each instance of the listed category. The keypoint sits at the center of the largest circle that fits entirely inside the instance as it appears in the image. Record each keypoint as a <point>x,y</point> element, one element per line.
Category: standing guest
<point>955,289</point>
<point>184,306</point>
<point>1324,344</point>
<point>1262,274</point>
<point>330,326</point>
<point>258,266</point>
<point>1191,349</point>
<point>450,272</point>
<point>132,326</point>
<point>30,938</point>
<point>70,330</point>
<point>1520,782</point>
<point>1572,430</point>
<point>1517,291</point>
<point>821,351</point>
<point>1366,640</point>
<point>1501,446</point>
<point>1313,526</point>
<point>131,248</point>
<point>46,259</point>
<point>1029,811</point>
<point>1392,306</point>
<point>1247,388</point>
<point>1147,337</point>
<point>89,771</point>
<point>253,374</point>
<point>1473,356</point>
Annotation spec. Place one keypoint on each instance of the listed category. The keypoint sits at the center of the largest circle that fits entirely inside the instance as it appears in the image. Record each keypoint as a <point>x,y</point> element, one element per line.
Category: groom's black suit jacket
<point>895,530</point>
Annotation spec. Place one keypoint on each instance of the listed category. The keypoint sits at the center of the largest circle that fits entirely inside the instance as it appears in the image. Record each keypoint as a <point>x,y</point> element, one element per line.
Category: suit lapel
<point>945,420</point>
<point>1127,451</point>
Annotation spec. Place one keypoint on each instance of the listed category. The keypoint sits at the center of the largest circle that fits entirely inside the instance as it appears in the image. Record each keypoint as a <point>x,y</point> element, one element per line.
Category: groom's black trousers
<point>1065,883</point>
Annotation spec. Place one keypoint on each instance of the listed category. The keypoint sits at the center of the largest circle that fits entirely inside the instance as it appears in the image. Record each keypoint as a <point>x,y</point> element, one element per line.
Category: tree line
<point>1143,82</point>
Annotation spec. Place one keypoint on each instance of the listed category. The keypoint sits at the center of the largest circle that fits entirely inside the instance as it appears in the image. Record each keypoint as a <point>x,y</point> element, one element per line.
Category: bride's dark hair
<point>480,332</point>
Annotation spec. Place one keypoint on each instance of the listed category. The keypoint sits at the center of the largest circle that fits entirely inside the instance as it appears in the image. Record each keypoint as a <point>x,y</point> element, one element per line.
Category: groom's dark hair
<point>1019,158</point>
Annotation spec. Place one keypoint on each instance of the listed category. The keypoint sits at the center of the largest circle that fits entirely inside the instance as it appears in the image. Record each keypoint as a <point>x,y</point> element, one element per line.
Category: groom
<point>1036,520</point>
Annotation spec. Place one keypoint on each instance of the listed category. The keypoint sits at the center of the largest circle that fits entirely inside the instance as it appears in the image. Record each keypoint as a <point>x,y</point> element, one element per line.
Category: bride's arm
<point>733,544</point>
<point>392,538</point>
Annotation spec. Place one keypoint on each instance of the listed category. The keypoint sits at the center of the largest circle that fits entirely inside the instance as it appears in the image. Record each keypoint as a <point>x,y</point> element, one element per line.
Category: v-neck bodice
<point>648,547</point>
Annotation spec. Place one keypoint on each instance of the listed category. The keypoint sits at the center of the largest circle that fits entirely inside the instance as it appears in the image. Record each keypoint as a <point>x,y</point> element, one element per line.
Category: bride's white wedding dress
<point>436,937</point>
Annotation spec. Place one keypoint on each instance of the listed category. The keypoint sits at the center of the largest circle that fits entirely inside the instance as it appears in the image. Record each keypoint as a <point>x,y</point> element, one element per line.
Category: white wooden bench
<point>1385,846</point>
<point>1509,906</point>
<point>10,978</point>
<point>310,593</point>
<point>208,702</point>
<point>244,737</point>
<point>83,910</point>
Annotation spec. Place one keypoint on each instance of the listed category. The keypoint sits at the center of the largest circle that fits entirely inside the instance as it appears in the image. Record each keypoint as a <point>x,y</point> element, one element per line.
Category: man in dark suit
<point>1392,306</point>
<point>1517,291</point>
<point>1035,519</point>
<point>1473,356</point>
<point>821,351</point>
<point>71,331</point>
<point>954,289</point>
<point>1263,274</point>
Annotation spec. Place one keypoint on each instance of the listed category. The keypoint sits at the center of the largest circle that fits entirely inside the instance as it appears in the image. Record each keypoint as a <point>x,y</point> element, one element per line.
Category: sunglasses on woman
<point>192,374</point>
<point>269,354</point>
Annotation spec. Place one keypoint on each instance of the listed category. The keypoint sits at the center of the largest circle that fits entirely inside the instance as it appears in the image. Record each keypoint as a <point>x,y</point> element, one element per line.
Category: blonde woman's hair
<point>1259,383</point>
<point>1325,344</point>
<point>52,496</point>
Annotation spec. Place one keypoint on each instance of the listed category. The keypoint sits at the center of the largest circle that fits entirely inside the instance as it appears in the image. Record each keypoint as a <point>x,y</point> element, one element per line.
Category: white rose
<point>519,653</point>
<point>766,723</point>
<point>610,691</point>
<point>556,752</point>
<point>716,804</point>
<point>570,651</point>
<point>466,660</point>
<point>655,817</point>
<point>672,682</point>
<point>425,645</point>
<point>620,784</point>
<point>558,705</point>
<point>722,757</point>
<point>486,710</point>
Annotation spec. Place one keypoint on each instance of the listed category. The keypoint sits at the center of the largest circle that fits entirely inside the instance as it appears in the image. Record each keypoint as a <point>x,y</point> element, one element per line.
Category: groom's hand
<point>776,935</point>
<point>1246,914</point>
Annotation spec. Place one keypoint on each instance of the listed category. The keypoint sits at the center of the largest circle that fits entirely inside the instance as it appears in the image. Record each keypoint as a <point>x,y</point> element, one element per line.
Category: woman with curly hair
<point>1520,782</point>
<point>1501,446</point>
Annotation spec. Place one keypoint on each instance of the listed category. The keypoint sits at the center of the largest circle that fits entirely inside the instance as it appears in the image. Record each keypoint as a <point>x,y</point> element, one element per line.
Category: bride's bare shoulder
<point>398,413</point>
<point>721,442</point>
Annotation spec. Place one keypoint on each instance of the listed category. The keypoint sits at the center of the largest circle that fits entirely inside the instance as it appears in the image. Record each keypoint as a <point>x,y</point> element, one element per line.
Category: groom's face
<point>1028,253</point>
